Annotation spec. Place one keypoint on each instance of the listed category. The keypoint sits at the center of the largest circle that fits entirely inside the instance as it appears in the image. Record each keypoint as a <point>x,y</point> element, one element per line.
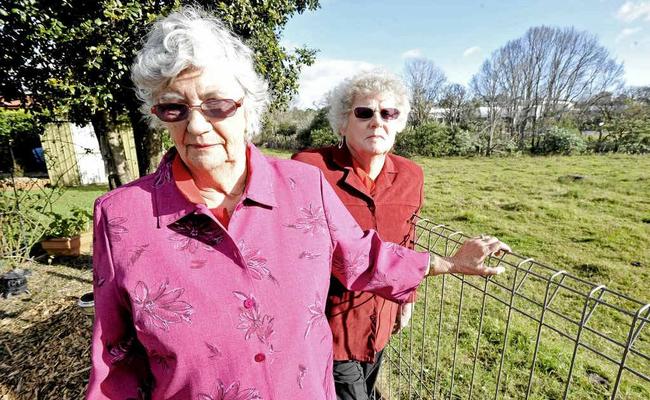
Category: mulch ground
<point>44,336</point>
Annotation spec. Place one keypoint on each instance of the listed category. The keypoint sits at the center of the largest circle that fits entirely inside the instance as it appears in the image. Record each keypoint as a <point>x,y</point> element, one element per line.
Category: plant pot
<point>69,246</point>
<point>87,303</point>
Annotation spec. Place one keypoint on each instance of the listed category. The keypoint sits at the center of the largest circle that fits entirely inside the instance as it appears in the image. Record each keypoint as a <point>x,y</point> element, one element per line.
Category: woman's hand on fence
<point>470,258</point>
<point>404,313</point>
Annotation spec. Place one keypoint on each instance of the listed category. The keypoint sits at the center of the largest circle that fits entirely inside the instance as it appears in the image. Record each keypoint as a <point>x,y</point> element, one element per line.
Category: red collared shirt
<point>362,322</point>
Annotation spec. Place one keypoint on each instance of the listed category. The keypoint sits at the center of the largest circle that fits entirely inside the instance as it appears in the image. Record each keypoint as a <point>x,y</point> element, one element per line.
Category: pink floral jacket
<point>186,309</point>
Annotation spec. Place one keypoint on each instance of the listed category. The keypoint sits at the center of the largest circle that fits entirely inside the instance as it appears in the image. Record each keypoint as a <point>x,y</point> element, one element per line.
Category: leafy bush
<point>62,227</point>
<point>323,137</point>
<point>24,220</point>
<point>434,140</point>
<point>18,130</point>
<point>559,140</point>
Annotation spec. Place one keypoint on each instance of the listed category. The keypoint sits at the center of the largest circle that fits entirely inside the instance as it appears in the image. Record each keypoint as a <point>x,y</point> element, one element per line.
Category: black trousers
<point>356,380</point>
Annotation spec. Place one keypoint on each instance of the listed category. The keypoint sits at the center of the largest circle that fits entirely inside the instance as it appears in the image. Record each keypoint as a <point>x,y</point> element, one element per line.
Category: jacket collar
<point>170,204</point>
<point>343,159</point>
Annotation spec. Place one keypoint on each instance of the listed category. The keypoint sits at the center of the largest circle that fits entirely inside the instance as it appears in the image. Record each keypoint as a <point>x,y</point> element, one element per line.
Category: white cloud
<point>412,53</point>
<point>318,79</point>
<point>633,10</point>
<point>627,32</point>
<point>471,51</point>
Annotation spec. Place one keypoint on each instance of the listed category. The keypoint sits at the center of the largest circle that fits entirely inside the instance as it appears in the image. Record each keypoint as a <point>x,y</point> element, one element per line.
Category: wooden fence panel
<point>60,158</point>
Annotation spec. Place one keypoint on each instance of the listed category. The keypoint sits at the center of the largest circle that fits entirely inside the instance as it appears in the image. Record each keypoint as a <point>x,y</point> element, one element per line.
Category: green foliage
<point>630,131</point>
<point>73,57</point>
<point>15,123</point>
<point>18,128</point>
<point>322,137</point>
<point>67,226</point>
<point>318,133</point>
<point>563,141</point>
<point>23,220</point>
<point>78,54</point>
<point>435,140</point>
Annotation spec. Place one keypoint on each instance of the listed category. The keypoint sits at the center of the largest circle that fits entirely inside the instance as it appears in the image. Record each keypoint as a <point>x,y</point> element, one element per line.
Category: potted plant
<point>63,235</point>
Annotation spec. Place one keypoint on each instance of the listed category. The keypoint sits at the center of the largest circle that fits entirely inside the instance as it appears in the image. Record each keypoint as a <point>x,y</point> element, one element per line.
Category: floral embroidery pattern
<point>166,361</point>
<point>120,351</point>
<point>312,220</point>
<point>214,350</point>
<point>379,280</point>
<point>116,228</point>
<point>308,255</point>
<point>164,174</point>
<point>256,263</point>
<point>232,392</point>
<point>350,264</point>
<point>161,308</point>
<point>396,249</point>
<point>252,322</point>
<point>316,314</point>
<point>302,372</point>
<point>192,233</point>
<point>136,253</point>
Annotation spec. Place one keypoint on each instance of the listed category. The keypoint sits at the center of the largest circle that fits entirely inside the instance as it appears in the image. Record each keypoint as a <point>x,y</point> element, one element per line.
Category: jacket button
<point>259,357</point>
<point>249,303</point>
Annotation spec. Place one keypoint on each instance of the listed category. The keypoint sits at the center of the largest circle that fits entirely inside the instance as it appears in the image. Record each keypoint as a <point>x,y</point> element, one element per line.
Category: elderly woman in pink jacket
<point>211,274</point>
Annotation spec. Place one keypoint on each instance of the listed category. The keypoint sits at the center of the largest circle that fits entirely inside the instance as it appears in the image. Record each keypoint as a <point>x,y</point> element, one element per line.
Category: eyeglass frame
<point>237,103</point>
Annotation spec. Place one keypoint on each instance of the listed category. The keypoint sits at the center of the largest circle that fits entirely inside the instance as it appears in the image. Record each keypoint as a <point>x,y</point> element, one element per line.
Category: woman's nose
<point>376,118</point>
<point>197,123</point>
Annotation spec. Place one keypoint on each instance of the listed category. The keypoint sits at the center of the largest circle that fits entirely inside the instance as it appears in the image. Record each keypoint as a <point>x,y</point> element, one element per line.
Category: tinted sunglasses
<point>387,114</point>
<point>211,108</point>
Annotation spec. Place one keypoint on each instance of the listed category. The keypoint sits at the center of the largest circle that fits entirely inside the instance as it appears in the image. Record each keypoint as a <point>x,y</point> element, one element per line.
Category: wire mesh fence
<point>534,332</point>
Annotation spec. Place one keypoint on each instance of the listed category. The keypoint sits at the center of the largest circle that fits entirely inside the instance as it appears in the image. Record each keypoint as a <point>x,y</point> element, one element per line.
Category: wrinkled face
<point>205,143</point>
<point>374,136</point>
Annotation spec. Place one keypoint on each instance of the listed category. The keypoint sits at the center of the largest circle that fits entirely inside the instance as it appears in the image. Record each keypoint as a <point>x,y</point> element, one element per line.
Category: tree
<point>426,82</point>
<point>454,102</point>
<point>541,75</point>
<point>486,88</point>
<point>74,56</point>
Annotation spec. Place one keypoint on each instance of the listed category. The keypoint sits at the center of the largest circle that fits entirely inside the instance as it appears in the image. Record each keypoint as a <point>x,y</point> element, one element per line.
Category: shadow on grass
<point>82,262</point>
<point>69,277</point>
<point>49,360</point>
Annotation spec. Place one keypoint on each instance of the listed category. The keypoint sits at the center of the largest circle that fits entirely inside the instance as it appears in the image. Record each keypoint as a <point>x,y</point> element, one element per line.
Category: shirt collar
<point>171,205</point>
<point>343,158</point>
<point>259,186</point>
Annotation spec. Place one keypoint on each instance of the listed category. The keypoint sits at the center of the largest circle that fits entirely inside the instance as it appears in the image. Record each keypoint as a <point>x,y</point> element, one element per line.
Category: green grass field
<point>597,227</point>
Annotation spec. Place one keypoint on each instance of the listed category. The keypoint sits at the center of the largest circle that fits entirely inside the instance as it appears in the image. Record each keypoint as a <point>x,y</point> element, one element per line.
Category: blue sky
<point>457,35</point>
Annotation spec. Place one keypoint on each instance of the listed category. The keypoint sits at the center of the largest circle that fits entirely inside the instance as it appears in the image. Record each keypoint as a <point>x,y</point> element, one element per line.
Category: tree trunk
<point>148,143</point>
<point>110,145</point>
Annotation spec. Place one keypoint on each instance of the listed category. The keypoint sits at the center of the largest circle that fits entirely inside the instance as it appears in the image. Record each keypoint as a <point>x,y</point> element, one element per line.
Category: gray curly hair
<point>373,82</point>
<point>194,38</point>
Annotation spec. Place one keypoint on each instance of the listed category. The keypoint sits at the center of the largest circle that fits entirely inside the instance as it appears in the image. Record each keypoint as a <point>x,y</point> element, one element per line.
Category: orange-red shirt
<point>363,176</point>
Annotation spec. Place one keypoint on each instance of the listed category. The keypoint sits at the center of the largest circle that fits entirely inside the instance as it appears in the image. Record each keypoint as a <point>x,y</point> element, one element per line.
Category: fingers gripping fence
<point>533,332</point>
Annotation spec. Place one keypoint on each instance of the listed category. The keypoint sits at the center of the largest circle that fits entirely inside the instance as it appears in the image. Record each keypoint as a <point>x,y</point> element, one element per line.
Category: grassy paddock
<point>589,215</point>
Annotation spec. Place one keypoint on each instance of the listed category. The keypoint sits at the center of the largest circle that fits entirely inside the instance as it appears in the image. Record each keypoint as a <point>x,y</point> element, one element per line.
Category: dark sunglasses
<point>387,114</point>
<point>211,108</point>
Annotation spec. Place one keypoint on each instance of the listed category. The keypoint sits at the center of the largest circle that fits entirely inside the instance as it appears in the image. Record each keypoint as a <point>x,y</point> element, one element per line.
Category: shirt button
<point>259,357</point>
<point>249,303</point>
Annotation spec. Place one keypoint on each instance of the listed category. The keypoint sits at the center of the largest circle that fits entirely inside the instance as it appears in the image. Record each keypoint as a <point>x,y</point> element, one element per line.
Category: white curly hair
<point>373,82</point>
<point>193,38</point>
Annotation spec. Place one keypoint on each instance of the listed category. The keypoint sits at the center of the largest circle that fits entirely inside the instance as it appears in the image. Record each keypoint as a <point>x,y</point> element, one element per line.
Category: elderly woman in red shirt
<point>382,191</point>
